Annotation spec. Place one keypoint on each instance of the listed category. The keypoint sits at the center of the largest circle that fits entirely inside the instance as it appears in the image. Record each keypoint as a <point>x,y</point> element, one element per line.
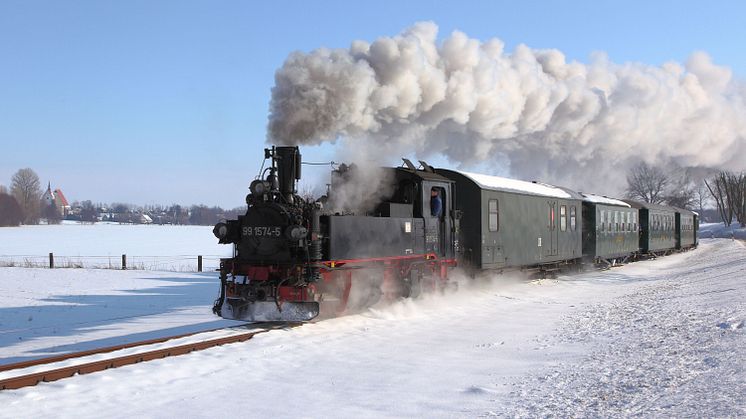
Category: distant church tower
<point>48,198</point>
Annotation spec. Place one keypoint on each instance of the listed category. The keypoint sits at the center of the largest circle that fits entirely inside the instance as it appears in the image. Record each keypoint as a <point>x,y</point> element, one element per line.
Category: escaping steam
<point>581,125</point>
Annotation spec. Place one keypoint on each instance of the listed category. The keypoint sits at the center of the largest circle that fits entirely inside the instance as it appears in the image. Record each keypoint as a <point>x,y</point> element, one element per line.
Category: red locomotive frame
<point>339,273</point>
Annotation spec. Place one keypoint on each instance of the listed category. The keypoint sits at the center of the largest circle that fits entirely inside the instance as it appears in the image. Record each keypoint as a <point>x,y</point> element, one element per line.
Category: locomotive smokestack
<point>288,162</point>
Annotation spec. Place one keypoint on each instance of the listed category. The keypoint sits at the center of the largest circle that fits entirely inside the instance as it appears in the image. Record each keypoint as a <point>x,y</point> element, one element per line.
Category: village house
<point>56,198</point>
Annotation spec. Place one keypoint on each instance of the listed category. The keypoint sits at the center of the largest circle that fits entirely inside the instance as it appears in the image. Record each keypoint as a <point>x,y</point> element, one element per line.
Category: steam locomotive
<point>295,259</point>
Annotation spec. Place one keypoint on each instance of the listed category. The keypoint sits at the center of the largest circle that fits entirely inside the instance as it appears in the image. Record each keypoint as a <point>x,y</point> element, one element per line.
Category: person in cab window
<point>436,203</point>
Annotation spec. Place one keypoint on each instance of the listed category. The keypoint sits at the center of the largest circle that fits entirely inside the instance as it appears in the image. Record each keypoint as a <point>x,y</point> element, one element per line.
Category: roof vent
<point>409,164</point>
<point>426,167</point>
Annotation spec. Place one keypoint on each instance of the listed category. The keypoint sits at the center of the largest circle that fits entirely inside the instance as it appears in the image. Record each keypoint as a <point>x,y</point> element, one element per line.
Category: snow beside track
<point>45,312</point>
<point>655,338</point>
<point>713,230</point>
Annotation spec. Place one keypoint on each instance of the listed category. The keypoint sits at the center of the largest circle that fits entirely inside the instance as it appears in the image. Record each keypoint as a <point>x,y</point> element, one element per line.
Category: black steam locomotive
<point>295,259</point>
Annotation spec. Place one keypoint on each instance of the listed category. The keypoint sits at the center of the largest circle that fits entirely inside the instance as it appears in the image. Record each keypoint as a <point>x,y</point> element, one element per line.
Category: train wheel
<point>412,284</point>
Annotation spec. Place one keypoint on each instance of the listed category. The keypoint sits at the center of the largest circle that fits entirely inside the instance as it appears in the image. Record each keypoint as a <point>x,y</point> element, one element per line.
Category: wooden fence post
<point>199,263</point>
<point>124,262</point>
<point>51,261</point>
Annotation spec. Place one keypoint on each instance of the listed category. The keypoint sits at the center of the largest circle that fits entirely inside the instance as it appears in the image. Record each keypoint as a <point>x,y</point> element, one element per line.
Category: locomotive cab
<point>404,221</point>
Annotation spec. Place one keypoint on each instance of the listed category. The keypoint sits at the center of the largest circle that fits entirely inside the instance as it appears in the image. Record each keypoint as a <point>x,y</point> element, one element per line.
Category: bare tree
<point>119,207</point>
<point>729,191</point>
<point>88,212</point>
<point>737,196</point>
<point>203,215</point>
<point>25,187</point>
<point>647,183</point>
<point>11,214</point>
<point>701,195</point>
<point>681,189</point>
<point>51,214</point>
<point>717,189</point>
<point>306,192</point>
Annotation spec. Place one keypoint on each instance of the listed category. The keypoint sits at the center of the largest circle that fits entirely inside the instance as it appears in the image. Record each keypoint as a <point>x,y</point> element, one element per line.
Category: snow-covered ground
<point>46,312</point>
<point>719,230</point>
<point>656,338</point>
<point>154,247</point>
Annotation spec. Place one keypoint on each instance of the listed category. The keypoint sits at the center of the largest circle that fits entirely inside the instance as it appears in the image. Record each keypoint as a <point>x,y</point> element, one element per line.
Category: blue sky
<point>167,101</point>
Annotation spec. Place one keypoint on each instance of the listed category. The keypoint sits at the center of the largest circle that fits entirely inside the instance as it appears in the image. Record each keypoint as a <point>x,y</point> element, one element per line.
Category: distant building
<point>56,198</point>
<point>48,198</point>
<point>62,205</point>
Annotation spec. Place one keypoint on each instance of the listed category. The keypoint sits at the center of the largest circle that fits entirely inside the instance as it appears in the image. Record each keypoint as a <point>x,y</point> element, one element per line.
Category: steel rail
<point>33,379</point>
<point>80,354</point>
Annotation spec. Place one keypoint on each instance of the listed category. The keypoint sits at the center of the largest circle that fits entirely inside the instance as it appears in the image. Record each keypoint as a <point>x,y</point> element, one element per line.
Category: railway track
<point>31,373</point>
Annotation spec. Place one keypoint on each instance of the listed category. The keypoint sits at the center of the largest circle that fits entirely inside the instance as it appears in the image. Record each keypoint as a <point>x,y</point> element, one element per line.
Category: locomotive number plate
<point>261,231</point>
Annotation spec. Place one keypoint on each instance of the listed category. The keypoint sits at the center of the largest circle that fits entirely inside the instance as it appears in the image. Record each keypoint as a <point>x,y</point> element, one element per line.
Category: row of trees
<point>676,187</point>
<point>681,188</point>
<point>22,204</point>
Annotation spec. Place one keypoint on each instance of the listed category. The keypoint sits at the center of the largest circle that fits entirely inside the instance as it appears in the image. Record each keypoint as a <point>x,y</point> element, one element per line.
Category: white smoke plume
<point>360,189</point>
<point>579,125</point>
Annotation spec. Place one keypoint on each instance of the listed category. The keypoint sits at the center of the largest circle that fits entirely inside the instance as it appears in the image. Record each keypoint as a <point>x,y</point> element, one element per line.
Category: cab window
<point>436,202</point>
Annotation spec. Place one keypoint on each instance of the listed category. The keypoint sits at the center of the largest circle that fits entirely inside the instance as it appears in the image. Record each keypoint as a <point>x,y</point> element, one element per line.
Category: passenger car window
<point>629,221</point>
<point>494,222</point>
<point>563,218</point>
<point>629,224</point>
<point>608,224</point>
<point>572,218</point>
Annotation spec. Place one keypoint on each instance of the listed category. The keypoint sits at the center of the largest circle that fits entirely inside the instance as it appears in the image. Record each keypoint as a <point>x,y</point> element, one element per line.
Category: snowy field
<point>661,338</point>
<point>46,312</point>
<point>719,230</point>
<point>101,245</point>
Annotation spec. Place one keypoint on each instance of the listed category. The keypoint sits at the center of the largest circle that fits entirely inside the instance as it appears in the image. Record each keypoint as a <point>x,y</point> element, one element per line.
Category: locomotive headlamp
<point>220,230</point>
<point>296,233</point>
<point>258,187</point>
